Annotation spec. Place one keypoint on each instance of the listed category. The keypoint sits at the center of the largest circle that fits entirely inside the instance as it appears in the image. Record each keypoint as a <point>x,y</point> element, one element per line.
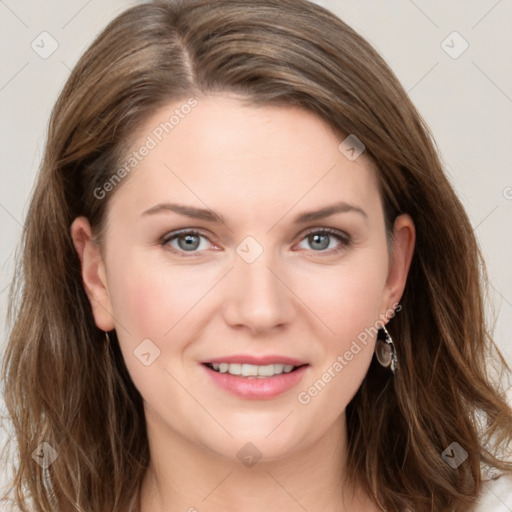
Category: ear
<point>93,273</point>
<point>404,237</point>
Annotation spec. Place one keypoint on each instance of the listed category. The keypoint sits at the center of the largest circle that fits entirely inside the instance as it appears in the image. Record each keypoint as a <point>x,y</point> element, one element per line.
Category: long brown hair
<point>63,387</point>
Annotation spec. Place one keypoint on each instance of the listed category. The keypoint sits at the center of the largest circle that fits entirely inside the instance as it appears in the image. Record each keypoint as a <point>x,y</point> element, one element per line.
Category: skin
<point>258,168</point>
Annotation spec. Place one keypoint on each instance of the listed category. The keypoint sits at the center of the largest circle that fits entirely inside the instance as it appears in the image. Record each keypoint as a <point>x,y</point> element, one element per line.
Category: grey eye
<point>191,242</point>
<point>316,240</point>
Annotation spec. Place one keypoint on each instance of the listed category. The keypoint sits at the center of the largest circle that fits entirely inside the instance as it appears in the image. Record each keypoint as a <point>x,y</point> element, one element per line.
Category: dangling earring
<point>385,352</point>
<point>107,337</point>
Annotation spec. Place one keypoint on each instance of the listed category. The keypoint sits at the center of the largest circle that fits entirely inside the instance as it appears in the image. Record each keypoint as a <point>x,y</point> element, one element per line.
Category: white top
<point>496,495</point>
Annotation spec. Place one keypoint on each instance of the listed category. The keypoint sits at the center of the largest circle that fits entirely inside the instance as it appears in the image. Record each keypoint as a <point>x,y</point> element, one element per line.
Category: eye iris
<point>314,239</point>
<point>189,244</point>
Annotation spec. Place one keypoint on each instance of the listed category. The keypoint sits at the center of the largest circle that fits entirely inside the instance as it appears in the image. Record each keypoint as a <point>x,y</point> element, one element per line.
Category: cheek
<point>349,300</point>
<point>350,305</point>
<point>149,297</point>
<point>153,300</point>
<point>135,300</point>
<point>146,303</point>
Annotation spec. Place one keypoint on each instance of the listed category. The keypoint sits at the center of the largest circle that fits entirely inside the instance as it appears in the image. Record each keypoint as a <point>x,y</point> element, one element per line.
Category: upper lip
<point>256,360</point>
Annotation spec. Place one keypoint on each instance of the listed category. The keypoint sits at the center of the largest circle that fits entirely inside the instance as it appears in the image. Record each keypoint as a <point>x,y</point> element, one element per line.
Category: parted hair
<point>65,386</point>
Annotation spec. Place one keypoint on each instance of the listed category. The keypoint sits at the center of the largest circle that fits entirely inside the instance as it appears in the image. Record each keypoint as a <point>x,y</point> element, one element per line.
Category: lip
<point>254,388</point>
<point>256,360</point>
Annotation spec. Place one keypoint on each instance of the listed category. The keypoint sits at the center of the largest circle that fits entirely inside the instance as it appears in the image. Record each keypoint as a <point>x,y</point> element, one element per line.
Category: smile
<point>255,382</point>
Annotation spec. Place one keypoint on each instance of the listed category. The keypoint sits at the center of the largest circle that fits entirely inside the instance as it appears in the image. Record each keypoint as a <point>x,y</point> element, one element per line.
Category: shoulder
<point>496,495</point>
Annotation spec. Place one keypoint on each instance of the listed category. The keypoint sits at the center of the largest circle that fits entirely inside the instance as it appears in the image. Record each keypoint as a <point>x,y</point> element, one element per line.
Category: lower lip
<point>257,388</point>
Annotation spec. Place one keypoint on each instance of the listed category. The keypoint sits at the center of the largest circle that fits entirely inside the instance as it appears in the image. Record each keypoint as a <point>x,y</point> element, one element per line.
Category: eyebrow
<point>211,216</point>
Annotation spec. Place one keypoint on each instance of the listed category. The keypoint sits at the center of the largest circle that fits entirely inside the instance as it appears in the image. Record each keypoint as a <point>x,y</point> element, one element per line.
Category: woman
<point>181,341</point>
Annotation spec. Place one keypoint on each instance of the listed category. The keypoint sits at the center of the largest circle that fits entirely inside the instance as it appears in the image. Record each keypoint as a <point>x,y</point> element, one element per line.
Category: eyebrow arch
<point>341,207</point>
<point>187,211</point>
<point>211,216</point>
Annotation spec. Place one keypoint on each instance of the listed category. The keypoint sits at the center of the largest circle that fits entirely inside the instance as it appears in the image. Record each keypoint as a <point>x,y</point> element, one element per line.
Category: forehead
<point>226,151</point>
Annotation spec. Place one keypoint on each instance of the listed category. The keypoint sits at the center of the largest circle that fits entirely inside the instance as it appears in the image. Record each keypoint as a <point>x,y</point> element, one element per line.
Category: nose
<point>258,297</point>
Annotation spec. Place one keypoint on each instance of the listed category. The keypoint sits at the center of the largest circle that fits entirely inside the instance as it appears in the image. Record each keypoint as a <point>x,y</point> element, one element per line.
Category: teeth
<point>269,370</point>
<point>251,370</point>
<point>235,369</point>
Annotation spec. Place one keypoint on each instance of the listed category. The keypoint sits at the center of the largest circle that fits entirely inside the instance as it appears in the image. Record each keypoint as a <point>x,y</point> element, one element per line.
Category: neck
<point>186,476</point>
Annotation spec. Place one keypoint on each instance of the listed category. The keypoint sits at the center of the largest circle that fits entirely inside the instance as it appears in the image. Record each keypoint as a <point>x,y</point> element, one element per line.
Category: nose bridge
<point>253,269</point>
<point>259,298</point>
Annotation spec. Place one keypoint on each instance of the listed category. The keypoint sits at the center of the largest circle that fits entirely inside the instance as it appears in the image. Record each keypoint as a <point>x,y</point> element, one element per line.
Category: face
<point>241,274</point>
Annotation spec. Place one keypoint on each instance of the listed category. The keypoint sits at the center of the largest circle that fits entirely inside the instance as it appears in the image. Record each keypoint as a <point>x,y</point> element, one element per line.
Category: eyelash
<point>340,236</point>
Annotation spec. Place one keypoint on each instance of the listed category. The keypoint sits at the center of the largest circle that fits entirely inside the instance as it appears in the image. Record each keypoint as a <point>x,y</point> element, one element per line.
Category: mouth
<point>252,370</point>
<point>255,378</point>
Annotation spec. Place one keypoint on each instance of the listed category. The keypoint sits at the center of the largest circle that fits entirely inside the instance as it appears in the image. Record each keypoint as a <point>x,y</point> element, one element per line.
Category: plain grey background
<point>461,84</point>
